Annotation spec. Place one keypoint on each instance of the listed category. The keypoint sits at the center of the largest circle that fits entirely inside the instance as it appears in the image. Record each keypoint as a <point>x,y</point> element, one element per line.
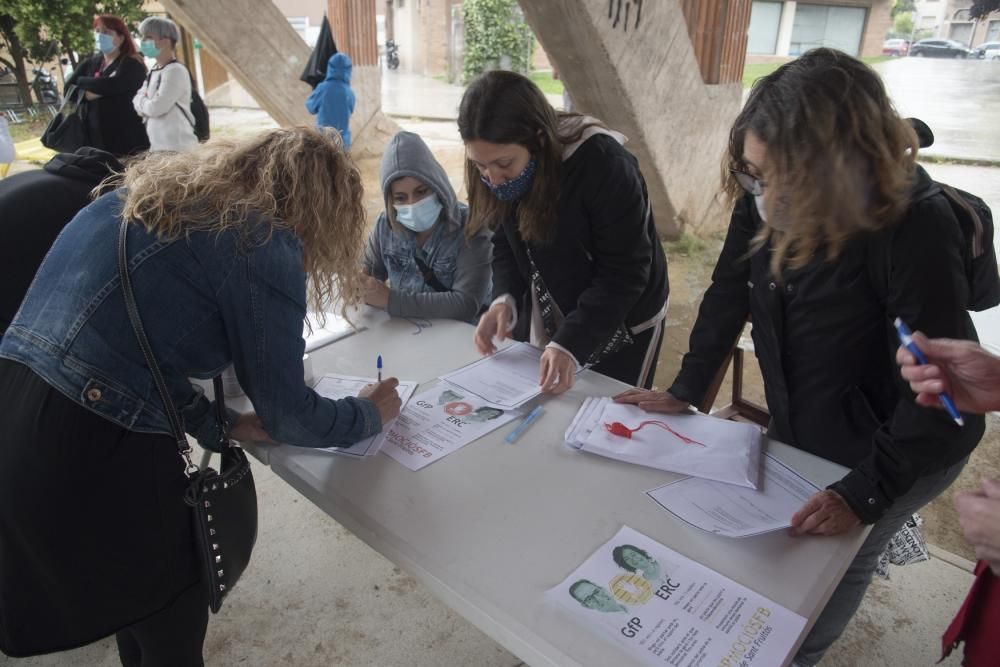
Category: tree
<point>49,27</point>
<point>903,25</point>
<point>903,7</point>
<point>982,8</point>
<point>15,62</point>
<point>495,30</point>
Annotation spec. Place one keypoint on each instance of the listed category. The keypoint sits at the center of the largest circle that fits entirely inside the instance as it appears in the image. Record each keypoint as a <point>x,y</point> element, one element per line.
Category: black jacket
<point>112,122</point>
<point>605,265</point>
<point>34,208</point>
<point>826,345</point>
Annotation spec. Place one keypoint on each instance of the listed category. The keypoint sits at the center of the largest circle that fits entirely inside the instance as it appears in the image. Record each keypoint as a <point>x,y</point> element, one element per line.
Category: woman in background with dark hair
<point>835,232</point>
<point>111,78</point>
<point>577,265</point>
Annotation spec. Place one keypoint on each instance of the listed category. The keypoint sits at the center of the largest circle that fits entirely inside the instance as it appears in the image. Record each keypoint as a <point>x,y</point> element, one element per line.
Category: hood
<point>408,155</point>
<point>338,68</point>
<point>86,164</point>
<point>568,123</point>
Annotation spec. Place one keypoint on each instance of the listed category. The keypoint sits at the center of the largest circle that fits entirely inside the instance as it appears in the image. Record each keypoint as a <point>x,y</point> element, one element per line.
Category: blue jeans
<point>847,596</point>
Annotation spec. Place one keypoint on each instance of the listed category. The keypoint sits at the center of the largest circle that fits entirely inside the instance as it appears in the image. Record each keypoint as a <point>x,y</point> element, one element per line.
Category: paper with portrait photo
<point>665,609</point>
<point>689,444</point>
<point>342,386</point>
<point>440,421</point>
<point>507,379</point>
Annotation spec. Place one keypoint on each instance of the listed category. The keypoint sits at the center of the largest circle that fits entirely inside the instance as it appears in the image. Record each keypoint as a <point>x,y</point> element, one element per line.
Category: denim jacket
<point>463,267</point>
<point>206,301</point>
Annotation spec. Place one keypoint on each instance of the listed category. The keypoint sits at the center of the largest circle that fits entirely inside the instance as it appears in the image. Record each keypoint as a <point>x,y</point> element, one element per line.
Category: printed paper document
<point>506,379</point>
<point>438,422</point>
<point>342,386</point>
<point>664,609</point>
<point>734,511</point>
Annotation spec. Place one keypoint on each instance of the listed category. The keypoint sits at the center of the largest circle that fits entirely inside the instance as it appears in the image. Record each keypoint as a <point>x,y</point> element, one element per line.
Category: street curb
<point>952,559</point>
<point>964,161</point>
<point>432,119</point>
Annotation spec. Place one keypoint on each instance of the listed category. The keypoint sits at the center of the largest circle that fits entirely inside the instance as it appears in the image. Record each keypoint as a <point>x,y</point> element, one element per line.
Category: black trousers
<point>172,637</point>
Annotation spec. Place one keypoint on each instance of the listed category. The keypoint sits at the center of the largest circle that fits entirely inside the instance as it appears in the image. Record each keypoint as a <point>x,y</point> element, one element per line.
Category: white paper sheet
<point>734,511</point>
<point>720,450</point>
<point>507,379</point>
<point>664,609</point>
<point>342,386</point>
<point>438,422</point>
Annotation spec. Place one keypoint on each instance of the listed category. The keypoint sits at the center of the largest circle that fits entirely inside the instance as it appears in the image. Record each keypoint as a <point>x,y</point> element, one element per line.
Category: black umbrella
<point>315,70</point>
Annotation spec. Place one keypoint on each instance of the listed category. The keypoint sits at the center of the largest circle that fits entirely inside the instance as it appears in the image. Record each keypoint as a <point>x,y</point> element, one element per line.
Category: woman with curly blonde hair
<point>228,245</point>
<point>835,232</point>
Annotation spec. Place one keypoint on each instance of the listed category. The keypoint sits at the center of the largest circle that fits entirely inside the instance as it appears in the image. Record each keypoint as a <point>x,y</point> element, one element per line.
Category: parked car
<point>939,48</point>
<point>992,54</point>
<point>980,51</point>
<point>895,47</point>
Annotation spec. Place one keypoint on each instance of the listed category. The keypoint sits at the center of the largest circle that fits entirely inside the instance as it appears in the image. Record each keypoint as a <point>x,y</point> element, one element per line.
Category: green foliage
<point>902,26</point>
<point>495,29</point>
<point>903,7</point>
<point>686,245</point>
<point>48,28</point>
<point>982,8</point>
<point>543,79</point>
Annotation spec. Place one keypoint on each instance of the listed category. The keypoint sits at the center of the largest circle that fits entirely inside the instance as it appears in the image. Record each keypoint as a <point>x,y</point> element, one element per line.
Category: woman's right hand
<point>653,401</point>
<point>385,397</point>
<point>493,323</point>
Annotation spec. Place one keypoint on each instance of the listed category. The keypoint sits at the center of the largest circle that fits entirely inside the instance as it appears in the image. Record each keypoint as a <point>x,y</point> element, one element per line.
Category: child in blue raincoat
<point>332,102</point>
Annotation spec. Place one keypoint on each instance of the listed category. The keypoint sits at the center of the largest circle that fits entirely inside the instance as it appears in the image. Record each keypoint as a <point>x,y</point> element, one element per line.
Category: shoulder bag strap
<point>176,425</point>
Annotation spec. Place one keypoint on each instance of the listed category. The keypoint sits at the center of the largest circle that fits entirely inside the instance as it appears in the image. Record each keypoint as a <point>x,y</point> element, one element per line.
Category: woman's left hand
<point>375,292</point>
<point>825,513</point>
<point>557,371</point>
<point>249,428</point>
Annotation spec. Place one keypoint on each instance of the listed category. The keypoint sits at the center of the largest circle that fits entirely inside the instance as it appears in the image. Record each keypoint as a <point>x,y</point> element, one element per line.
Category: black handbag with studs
<point>224,502</point>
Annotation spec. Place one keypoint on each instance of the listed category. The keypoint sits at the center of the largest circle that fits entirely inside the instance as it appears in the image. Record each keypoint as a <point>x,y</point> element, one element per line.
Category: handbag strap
<point>176,425</point>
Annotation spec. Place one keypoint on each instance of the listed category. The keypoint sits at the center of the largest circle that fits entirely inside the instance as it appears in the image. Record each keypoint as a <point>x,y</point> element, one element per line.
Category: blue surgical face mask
<point>104,43</point>
<point>421,216</point>
<point>148,48</point>
<point>517,187</point>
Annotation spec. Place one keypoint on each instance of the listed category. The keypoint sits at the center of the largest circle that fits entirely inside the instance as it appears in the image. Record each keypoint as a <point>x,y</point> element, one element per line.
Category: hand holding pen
<point>914,356</point>
<point>965,370</point>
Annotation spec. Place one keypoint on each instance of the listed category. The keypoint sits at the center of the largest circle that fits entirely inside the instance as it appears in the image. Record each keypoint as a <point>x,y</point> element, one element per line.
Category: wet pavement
<point>958,99</point>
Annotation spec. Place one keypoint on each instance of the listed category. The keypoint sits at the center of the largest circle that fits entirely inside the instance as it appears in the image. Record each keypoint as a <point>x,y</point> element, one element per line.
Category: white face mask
<point>421,216</point>
<point>782,224</point>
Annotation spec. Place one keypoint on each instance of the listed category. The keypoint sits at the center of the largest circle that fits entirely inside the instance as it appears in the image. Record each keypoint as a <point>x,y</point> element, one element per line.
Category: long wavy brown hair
<point>298,178</point>
<point>841,159</point>
<point>506,108</point>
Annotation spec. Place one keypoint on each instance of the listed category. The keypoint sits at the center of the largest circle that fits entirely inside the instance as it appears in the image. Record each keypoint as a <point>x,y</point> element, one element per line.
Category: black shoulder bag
<point>224,502</point>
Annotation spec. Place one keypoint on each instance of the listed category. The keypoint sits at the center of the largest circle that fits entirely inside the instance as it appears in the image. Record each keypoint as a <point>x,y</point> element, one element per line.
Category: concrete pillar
<point>636,70</point>
<point>255,43</point>
<point>785,29</point>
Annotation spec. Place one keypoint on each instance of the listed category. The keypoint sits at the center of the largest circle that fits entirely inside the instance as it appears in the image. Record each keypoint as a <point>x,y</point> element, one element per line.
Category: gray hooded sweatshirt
<point>460,266</point>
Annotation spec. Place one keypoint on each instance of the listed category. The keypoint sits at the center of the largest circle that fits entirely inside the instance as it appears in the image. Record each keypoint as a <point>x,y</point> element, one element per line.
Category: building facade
<point>790,28</point>
<point>949,19</point>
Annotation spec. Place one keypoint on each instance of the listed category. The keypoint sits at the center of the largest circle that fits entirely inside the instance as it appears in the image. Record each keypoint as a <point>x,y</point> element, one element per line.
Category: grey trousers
<point>847,596</point>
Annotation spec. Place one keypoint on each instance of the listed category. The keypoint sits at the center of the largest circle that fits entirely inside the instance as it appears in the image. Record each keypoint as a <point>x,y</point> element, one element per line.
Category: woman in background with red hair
<point>111,78</point>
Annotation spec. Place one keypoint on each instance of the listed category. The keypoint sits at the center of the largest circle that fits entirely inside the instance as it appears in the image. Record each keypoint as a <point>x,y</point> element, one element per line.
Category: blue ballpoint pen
<point>523,426</point>
<point>378,365</point>
<point>906,340</point>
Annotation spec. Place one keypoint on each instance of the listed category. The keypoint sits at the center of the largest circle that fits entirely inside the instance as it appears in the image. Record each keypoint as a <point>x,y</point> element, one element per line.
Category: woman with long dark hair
<point>111,78</point>
<point>835,232</point>
<point>577,265</point>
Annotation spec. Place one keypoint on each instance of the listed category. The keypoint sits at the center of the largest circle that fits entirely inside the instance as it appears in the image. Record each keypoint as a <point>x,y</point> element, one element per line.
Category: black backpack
<point>976,220</point>
<point>198,110</point>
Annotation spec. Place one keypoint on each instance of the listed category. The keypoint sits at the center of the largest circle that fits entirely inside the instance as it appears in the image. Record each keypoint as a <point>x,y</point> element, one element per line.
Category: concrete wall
<point>645,82</point>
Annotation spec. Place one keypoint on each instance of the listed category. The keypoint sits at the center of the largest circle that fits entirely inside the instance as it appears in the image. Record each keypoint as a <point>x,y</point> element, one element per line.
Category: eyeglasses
<point>748,182</point>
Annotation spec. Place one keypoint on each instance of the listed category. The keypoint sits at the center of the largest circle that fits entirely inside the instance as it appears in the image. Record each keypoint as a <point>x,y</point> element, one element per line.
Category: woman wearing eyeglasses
<point>835,231</point>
